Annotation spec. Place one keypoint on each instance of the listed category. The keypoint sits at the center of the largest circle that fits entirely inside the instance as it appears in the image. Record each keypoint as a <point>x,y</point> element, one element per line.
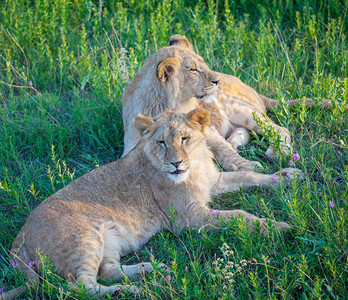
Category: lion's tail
<point>309,102</point>
<point>22,258</point>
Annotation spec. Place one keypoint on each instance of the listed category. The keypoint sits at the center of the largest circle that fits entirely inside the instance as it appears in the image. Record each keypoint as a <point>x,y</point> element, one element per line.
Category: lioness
<point>86,227</point>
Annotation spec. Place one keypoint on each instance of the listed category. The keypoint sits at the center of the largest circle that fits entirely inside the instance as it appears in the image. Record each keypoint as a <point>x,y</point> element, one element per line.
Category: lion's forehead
<point>171,129</point>
<point>195,61</point>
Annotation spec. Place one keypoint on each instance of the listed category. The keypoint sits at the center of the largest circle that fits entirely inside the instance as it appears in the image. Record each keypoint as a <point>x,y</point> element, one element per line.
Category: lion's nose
<point>176,163</point>
<point>215,81</point>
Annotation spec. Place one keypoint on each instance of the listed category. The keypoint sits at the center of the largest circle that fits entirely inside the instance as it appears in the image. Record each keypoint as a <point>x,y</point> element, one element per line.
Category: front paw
<point>265,226</point>
<point>287,175</point>
<point>271,153</point>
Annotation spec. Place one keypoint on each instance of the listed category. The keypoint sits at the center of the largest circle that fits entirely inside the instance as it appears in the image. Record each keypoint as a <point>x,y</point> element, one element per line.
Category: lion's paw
<point>264,226</point>
<point>283,226</point>
<point>288,175</point>
<point>272,154</point>
<point>165,268</point>
<point>133,289</point>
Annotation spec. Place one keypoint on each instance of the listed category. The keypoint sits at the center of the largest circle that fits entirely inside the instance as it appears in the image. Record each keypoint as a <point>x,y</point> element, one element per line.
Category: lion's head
<point>178,40</point>
<point>171,140</point>
<point>172,78</point>
<point>185,75</point>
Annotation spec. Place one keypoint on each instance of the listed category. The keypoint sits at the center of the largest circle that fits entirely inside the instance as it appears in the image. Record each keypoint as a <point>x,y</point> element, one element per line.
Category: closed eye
<point>185,138</point>
<point>192,69</point>
<point>162,143</point>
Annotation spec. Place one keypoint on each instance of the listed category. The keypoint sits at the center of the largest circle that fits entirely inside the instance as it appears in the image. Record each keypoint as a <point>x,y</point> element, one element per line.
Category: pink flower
<point>296,157</point>
<point>30,83</point>
<point>331,204</point>
<point>339,153</point>
<point>275,181</point>
<point>31,264</point>
<point>215,212</point>
<point>168,277</point>
<point>267,261</point>
<point>14,264</point>
<point>291,163</point>
<point>186,269</point>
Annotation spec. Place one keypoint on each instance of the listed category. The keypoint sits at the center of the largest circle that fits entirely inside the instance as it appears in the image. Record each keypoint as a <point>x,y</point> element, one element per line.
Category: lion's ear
<point>179,40</point>
<point>142,123</point>
<point>200,116</point>
<point>167,68</point>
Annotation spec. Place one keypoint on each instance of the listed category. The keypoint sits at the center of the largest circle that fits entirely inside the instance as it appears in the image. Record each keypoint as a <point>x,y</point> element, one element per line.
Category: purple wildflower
<point>58,109</point>
<point>215,212</point>
<point>30,83</point>
<point>331,204</point>
<point>275,181</point>
<point>267,261</point>
<point>186,269</point>
<point>339,153</point>
<point>1,291</point>
<point>168,277</point>
<point>14,264</point>
<point>296,157</point>
<point>151,256</point>
<point>31,264</point>
<point>151,250</point>
<point>291,163</point>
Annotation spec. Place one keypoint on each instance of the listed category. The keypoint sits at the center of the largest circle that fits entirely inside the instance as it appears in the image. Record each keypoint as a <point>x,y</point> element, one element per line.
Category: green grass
<point>63,67</point>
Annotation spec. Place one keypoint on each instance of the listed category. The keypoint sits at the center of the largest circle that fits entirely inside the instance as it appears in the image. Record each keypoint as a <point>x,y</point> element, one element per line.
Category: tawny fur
<point>234,105</point>
<point>86,227</point>
<point>176,78</point>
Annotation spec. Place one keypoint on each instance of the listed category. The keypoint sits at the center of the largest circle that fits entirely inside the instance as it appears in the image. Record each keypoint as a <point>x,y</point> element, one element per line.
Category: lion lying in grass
<point>176,78</point>
<point>86,227</point>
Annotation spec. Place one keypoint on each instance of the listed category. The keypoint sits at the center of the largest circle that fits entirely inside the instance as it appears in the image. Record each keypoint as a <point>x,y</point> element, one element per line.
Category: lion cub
<point>86,227</point>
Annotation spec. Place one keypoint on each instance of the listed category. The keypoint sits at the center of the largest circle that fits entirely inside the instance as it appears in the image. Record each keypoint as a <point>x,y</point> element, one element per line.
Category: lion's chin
<point>179,177</point>
<point>208,99</point>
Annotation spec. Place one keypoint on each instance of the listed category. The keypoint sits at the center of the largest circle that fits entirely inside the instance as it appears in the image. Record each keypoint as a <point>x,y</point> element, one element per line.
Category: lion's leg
<point>244,116</point>
<point>239,137</point>
<point>204,216</point>
<point>232,181</point>
<point>226,155</point>
<point>114,271</point>
<point>87,273</point>
<point>99,291</point>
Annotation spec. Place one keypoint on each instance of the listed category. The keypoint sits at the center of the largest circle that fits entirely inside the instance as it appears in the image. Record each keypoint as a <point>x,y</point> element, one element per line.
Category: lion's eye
<point>185,139</point>
<point>191,69</point>
<point>162,143</point>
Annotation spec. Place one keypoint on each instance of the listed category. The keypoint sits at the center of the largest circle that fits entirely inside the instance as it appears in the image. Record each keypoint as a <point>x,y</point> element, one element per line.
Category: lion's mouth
<point>206,92</point>
<point>177,172</point>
